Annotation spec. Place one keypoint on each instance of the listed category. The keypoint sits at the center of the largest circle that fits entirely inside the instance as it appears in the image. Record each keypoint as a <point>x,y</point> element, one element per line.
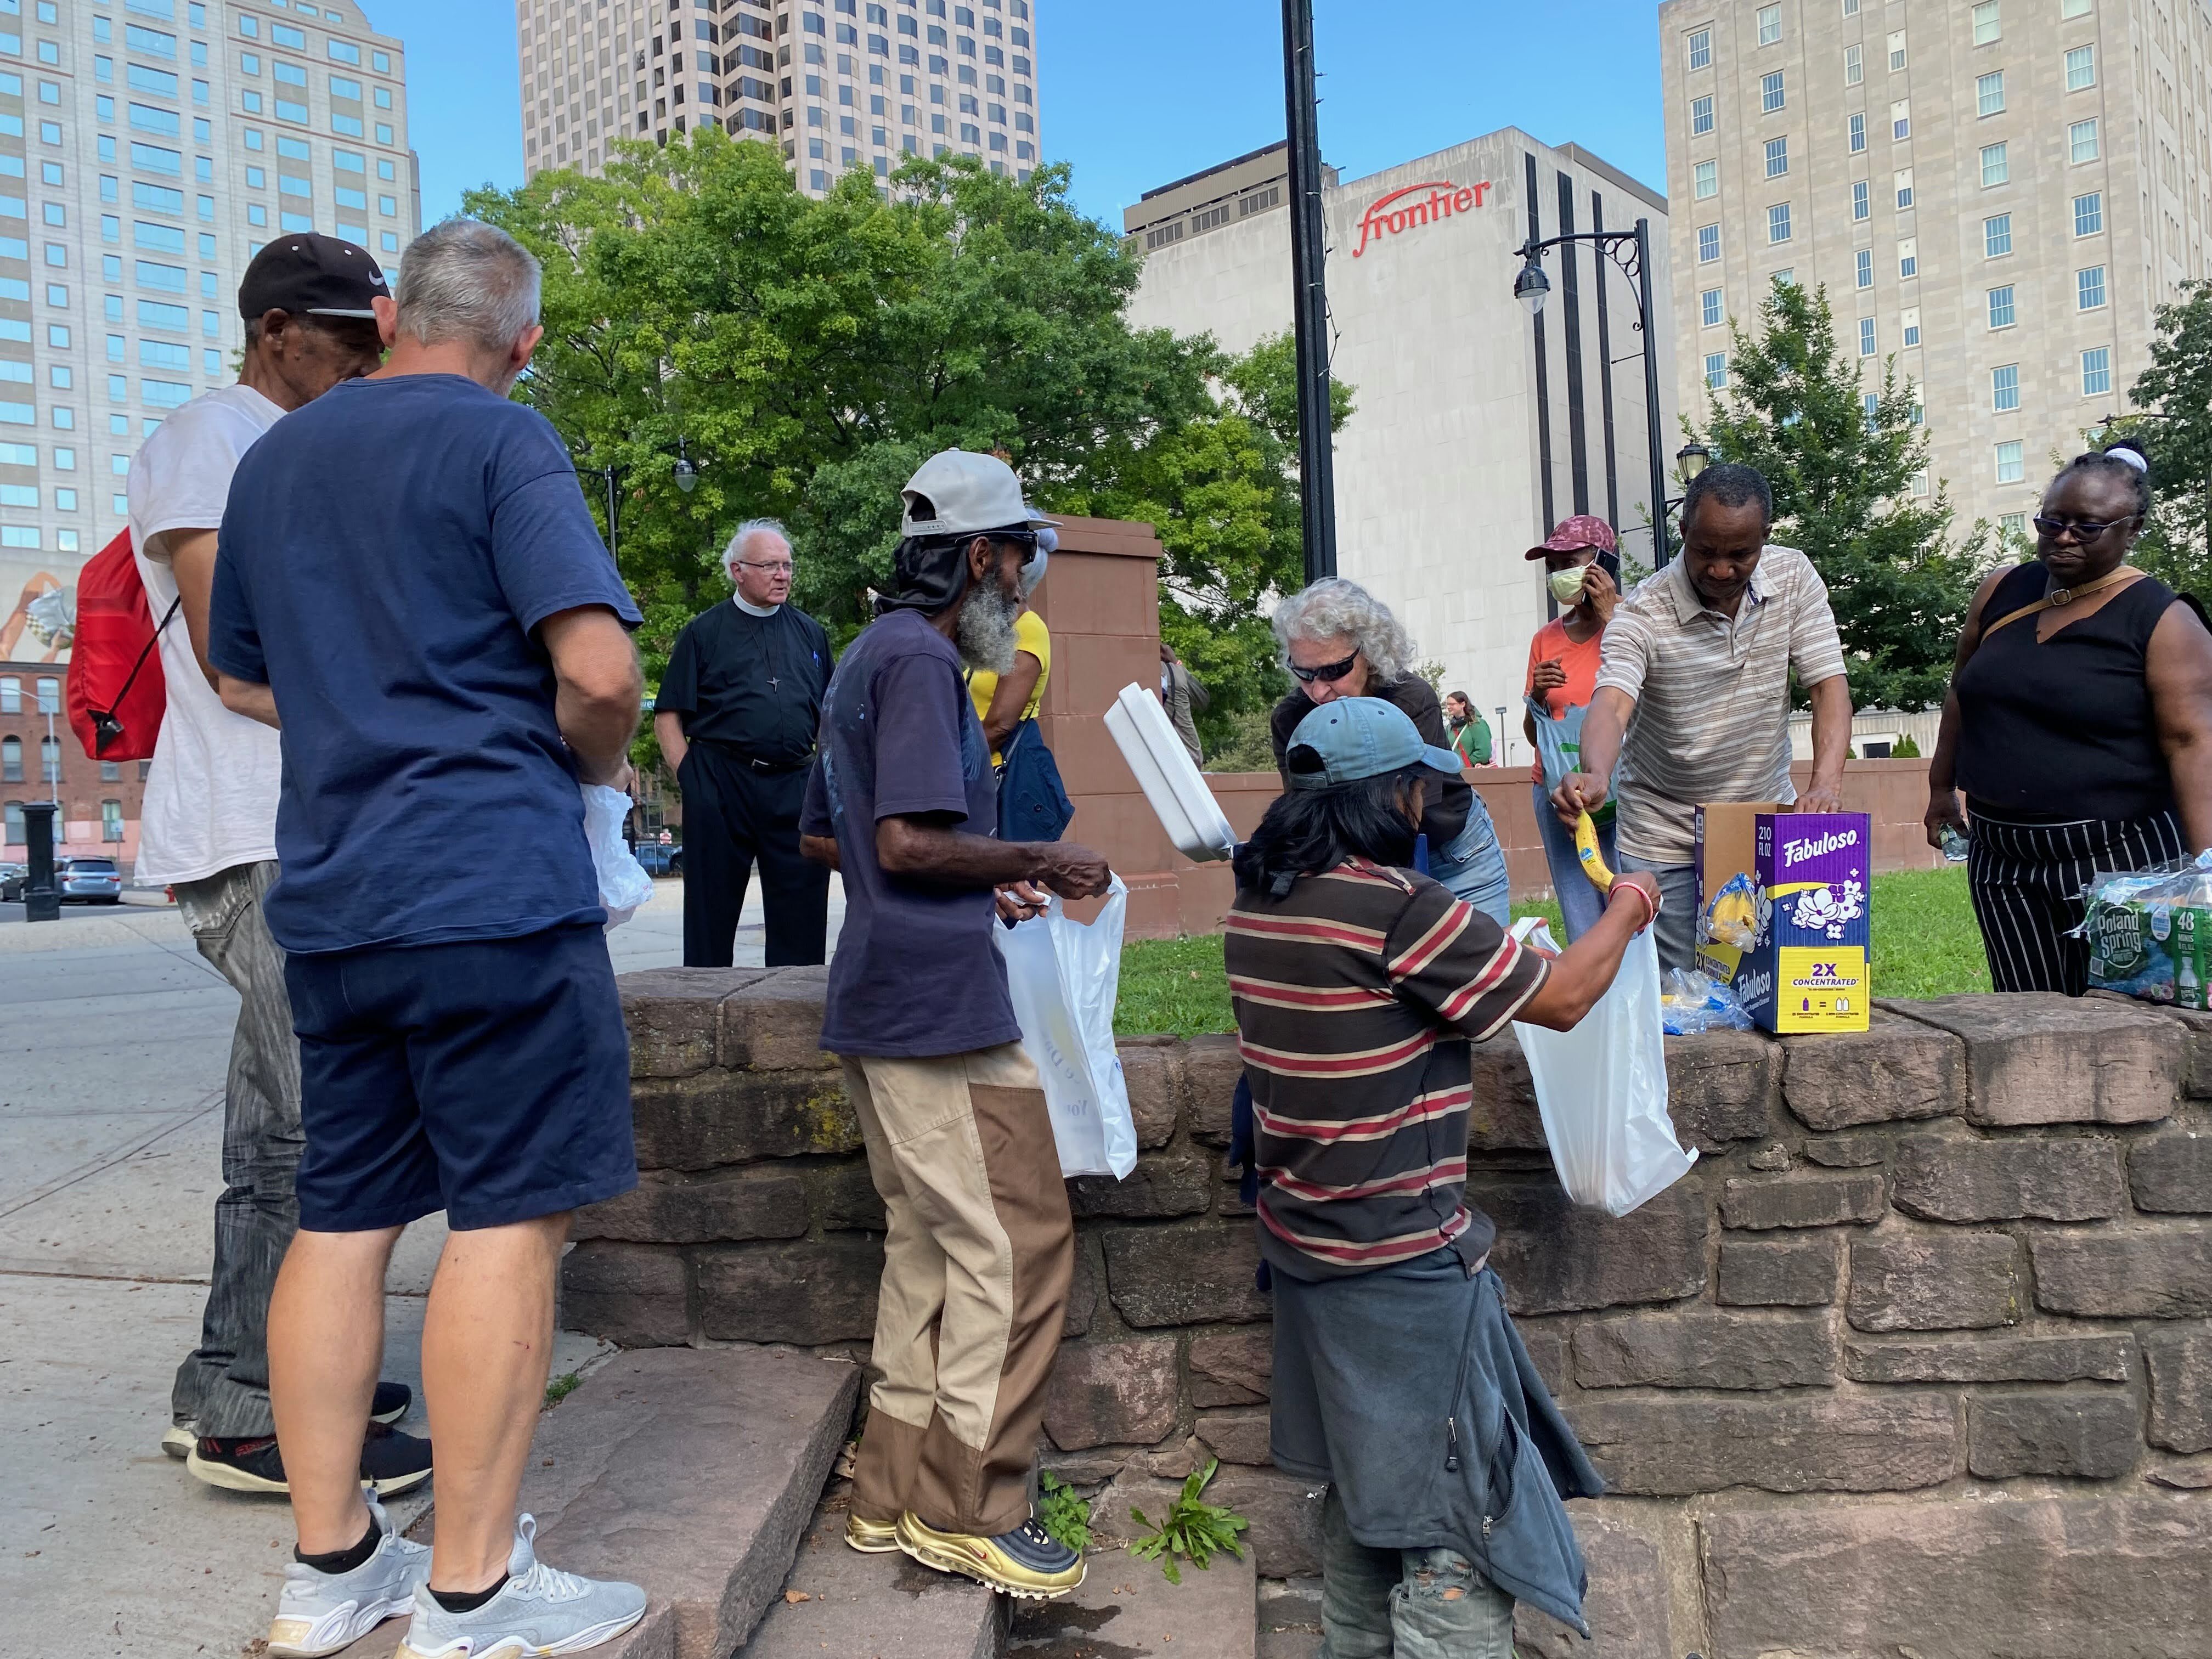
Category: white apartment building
<point>148,149</point>
<point>841,85</point>
<point>1998,193</point>
<point>1476,429</point>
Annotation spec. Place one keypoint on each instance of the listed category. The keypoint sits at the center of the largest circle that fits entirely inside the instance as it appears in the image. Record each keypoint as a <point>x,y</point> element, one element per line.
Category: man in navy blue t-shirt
<point>408,585</point>
<point>978,1246</point>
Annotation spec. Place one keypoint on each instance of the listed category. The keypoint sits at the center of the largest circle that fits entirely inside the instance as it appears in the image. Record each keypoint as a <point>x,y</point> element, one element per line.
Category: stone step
<point>840,1604</point>
<point>692,1473</point>
<point>1126,1609</point>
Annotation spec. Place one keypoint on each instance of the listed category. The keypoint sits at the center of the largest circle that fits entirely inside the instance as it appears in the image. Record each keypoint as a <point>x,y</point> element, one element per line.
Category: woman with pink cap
<point>1582,561</point>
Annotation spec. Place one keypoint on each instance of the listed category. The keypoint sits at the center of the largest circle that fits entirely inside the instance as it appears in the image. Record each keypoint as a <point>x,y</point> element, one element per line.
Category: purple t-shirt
<point>915,974</point>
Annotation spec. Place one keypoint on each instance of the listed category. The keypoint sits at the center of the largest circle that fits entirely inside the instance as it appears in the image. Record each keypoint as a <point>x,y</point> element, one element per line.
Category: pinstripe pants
<point>2027,882</point>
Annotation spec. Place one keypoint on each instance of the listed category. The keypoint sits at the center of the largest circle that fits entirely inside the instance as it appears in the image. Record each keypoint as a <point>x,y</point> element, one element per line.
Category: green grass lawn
<point>1925,945</point>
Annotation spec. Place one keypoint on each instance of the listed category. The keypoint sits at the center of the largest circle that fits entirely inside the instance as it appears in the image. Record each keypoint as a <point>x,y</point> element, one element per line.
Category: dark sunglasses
<point>2084,533</point>
<point>1327,671</point>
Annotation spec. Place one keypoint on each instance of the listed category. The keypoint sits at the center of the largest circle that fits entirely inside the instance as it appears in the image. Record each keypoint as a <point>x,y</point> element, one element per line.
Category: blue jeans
<point>1473,865</point>
<point>223,1387</point>
<point>1405,1604</point>
<point>1580,902</point>
<point>1676,933</point>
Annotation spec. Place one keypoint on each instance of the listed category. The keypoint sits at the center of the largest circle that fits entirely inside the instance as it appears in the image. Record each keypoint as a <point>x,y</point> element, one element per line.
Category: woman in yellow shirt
<point>1005,701</point>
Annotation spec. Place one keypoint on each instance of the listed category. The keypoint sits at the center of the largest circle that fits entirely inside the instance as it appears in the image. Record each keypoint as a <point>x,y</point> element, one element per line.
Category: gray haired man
<point>736,717</point>
<point>410,588</point>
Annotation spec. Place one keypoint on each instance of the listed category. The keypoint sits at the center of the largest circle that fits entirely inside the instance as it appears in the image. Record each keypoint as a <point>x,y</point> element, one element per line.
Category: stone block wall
<point>1917,1359</point>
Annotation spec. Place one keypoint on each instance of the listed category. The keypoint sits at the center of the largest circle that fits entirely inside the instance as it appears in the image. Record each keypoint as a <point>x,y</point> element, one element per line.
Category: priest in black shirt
<point>736,716</point>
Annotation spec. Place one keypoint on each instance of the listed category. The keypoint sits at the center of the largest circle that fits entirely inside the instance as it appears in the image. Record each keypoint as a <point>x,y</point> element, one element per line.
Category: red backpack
<point>117,694</point>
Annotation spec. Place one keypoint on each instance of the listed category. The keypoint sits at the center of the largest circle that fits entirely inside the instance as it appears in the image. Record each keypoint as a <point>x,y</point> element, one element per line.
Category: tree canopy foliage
<point>806,356</point>
<point>1842,470</point>
<point>2176,547</point>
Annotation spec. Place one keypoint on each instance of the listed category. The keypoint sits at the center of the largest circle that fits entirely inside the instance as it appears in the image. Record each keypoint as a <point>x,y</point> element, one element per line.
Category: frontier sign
<point>1413,205</point>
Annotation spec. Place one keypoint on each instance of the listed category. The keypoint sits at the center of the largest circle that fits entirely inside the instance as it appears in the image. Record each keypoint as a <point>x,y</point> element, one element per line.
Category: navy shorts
<point>489,1078</point>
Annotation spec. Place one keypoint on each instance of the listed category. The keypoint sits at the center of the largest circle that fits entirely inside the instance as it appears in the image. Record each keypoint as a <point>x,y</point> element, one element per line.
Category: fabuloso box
<point>1791,931</point>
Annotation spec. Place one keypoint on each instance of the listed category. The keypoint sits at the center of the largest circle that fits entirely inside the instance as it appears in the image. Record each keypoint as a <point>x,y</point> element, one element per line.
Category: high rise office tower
<point>839,85</point>
<point>1998,193</point>
<point>148,149</point>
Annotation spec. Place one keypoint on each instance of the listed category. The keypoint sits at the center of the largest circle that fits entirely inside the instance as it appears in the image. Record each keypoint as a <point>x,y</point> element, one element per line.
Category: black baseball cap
<point>312,275</point>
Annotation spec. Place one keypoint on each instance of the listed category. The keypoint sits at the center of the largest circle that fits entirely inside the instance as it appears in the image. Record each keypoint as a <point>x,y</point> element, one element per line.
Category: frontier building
<point>1475,428</point>
<point>1997,194</point>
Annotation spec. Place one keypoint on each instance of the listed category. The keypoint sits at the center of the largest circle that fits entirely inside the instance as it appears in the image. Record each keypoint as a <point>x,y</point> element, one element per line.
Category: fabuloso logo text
<point>1413,205</point>
<point>1796,851</point>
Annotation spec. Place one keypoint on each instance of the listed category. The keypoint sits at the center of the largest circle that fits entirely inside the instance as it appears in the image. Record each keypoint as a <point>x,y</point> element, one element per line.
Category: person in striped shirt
<point>1693,693</point>
<point>1358,986</point>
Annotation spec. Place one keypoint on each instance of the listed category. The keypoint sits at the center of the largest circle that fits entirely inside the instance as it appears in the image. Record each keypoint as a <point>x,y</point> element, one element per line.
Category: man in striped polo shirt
<point>1398,1379</point>
<point>1692,697</point>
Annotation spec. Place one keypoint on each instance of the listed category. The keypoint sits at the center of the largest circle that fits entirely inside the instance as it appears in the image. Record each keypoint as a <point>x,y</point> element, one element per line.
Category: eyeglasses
<point>779,569</point>
<point>1327,671</point>
<point>2083,533</point>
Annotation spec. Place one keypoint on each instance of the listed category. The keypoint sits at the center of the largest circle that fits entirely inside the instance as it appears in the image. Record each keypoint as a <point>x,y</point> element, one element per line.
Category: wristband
<point>1650,906</point>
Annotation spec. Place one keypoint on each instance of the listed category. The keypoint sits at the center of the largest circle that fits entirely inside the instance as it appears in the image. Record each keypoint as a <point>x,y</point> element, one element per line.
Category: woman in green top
<point>1470,732</point>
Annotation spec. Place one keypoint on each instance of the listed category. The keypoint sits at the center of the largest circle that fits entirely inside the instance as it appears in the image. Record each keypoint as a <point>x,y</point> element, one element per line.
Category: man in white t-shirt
<point>209,830</point>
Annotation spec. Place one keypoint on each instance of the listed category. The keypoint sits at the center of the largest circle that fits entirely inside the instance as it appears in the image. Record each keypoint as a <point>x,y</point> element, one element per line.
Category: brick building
<point>99,798</point>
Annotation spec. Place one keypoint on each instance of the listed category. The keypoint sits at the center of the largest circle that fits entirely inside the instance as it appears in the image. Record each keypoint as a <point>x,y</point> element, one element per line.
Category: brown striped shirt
<point>1356,996</point>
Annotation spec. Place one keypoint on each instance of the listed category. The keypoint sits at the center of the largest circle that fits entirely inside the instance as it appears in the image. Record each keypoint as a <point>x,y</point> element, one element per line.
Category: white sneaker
<point>321,1613</point>
<point>539,1610</point>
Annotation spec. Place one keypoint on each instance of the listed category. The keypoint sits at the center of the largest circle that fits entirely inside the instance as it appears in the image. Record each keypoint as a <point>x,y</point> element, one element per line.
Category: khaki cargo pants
<point>978,1253</point>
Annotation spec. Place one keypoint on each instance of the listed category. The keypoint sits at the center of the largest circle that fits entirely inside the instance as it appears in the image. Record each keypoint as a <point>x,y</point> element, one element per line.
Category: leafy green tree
<point>1842,475</point>
<point>2176,547</point>
<point>806,356</point>
<point>1221,493</point>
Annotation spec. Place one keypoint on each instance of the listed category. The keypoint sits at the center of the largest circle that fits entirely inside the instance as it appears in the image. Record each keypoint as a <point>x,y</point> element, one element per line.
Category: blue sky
<point>1137,92</point>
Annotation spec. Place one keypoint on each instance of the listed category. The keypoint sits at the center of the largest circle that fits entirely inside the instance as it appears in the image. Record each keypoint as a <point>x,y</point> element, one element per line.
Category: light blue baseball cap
<point>1363,737</point>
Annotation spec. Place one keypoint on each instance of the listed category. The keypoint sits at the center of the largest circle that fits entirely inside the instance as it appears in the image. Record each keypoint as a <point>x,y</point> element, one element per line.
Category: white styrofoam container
<point>1174,787</point>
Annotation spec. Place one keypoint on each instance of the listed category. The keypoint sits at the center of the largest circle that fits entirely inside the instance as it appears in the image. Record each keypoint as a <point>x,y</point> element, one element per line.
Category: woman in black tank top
<point>2079,724</point>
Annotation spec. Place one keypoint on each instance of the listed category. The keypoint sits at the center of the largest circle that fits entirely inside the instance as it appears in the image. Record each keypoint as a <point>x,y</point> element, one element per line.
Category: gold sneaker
<point>872,1537</point>
<point>1028,1562</point>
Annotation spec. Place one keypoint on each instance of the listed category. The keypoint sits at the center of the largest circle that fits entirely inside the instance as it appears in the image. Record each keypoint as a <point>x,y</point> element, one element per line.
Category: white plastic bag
<point>623,884</point>
<point>1064,977</point>
<point>1602,1090</point>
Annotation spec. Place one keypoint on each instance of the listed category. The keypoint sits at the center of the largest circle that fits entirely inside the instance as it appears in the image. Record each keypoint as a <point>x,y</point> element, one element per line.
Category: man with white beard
<point>979,1245</point>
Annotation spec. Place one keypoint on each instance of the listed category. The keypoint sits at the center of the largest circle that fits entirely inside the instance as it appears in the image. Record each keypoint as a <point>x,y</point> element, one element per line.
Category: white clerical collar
<point>752,610</point>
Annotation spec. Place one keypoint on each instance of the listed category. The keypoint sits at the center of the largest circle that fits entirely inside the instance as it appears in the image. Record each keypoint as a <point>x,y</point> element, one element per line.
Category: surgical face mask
<point>1567,584</point>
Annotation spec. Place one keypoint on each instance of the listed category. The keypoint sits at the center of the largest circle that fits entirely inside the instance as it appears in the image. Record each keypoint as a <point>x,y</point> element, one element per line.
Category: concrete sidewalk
<point>113,1041</point>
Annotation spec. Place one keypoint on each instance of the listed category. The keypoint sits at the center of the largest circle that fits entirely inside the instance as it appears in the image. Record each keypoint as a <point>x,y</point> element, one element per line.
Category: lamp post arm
<point>1631,253</point>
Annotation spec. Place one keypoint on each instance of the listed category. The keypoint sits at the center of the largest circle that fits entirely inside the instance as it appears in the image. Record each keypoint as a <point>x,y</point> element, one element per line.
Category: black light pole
<point>42,900</point>
<point>1629,250</point>
<point>1316,458</point>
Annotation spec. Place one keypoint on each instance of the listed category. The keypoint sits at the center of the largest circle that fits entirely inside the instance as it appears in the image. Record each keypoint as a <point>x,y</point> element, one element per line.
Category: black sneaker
<point>389,1406</point>
<point>390,1462</point>
<point>390,1402</point>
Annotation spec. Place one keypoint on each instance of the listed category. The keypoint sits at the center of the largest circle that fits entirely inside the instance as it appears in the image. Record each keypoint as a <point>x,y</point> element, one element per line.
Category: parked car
<point>12,877</point>
<point>660,860</point>
<point>89,881</point>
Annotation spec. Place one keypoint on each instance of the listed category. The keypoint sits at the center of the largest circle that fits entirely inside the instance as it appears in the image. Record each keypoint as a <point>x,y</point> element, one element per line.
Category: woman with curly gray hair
<point>1340,641</point>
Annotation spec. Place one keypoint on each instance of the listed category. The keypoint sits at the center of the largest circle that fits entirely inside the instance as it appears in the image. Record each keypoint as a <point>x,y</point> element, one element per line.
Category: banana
<point>1586,850</point>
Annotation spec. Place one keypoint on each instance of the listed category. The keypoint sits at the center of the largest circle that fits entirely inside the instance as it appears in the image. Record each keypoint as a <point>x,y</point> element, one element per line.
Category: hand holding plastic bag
<point>623,884</point>
<point>1064,978</point>
<point>1601,1088</point>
